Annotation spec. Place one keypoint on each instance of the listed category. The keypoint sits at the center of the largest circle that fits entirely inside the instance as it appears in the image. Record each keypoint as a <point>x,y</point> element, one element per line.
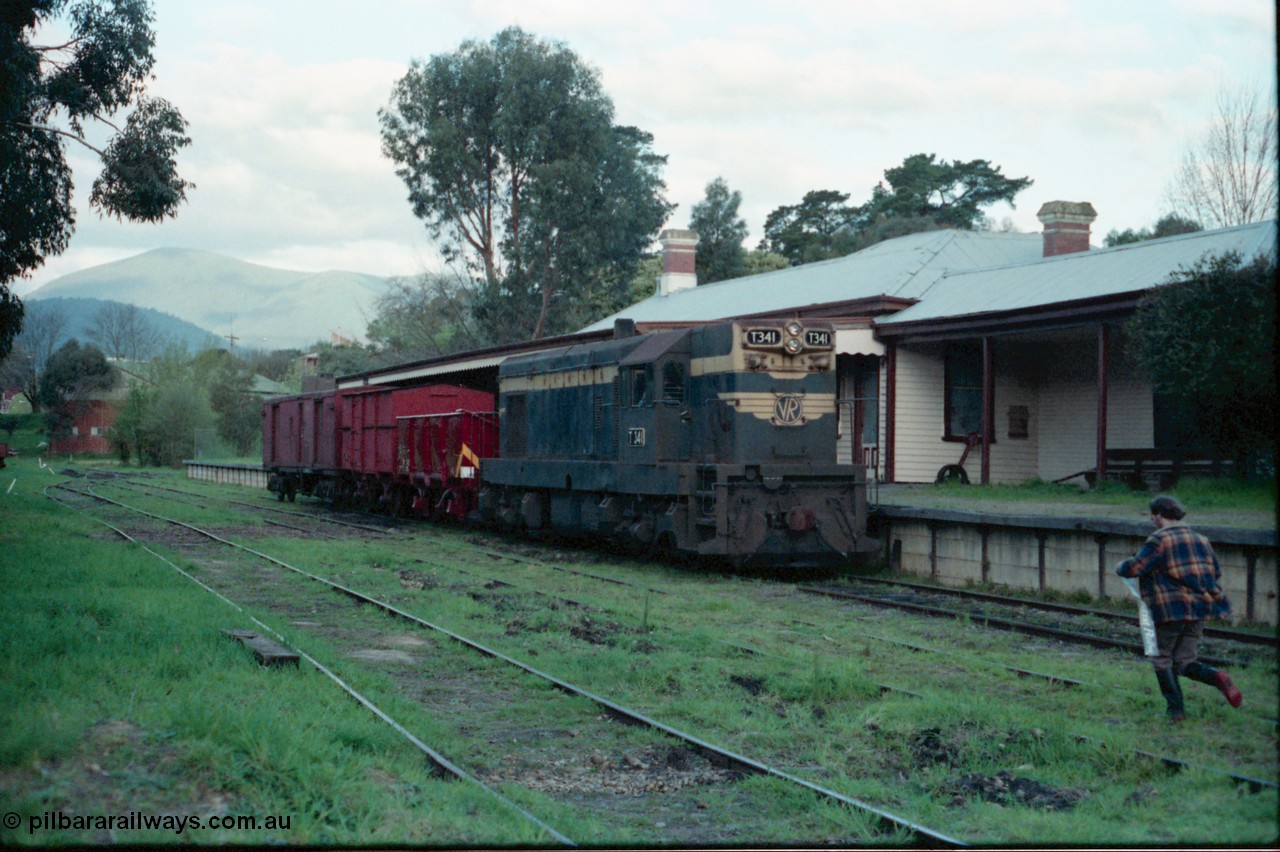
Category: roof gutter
<point>1041,317</point>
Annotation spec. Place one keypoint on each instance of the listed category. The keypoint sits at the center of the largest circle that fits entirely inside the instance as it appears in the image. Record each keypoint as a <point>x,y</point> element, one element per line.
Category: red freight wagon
<point>366,432</point>
<point>441,454</point>
<point>298,442</point>
<point>368,439</point>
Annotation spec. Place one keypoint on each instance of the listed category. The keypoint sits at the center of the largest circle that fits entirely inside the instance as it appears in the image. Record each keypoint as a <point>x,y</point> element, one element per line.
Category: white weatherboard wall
<point>1055,379</point>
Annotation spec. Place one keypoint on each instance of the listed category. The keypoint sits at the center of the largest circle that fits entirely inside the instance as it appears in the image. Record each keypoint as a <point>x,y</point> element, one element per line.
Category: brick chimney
<point>1066,226</point>
<point>679,251</point>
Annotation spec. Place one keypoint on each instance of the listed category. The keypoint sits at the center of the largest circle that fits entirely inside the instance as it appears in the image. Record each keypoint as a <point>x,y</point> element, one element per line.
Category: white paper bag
<point>1146,624</point>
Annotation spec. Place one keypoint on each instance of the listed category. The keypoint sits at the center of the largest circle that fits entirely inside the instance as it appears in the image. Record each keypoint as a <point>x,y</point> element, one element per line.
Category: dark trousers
<point>1176,643</point>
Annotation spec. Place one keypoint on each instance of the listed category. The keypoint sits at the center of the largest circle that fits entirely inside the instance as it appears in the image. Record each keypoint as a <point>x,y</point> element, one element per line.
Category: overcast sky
<point>1094,101</point>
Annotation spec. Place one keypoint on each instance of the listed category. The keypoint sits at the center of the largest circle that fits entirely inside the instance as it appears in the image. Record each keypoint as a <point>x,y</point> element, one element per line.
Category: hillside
<point>80,315</point>
<point>264,307</point>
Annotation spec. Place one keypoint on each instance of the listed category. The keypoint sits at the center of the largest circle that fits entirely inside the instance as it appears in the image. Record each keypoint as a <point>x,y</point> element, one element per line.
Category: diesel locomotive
<point>715,441</point>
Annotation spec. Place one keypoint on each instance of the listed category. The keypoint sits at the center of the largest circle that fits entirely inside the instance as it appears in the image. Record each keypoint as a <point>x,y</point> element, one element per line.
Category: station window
<point>962,382</point>
<point>1019,421</point>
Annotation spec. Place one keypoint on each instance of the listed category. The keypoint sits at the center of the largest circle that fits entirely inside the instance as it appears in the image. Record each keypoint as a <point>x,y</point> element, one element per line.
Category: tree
<point>1228,176</point>
<point>237,412</point>
<point>760,262</point>
<point>42,332</point>
<point>1171,224</point>
<point>891,227</point>
<point>951,194</point>
<point>512,161</point>
<point>73,372</point>
<point>174,411</point>
<point>820,227</point>
<point>1206,338</point>
<point>47,95</point>
<point>720,234</point>
<point>123,332</point>
<point>424,316</point>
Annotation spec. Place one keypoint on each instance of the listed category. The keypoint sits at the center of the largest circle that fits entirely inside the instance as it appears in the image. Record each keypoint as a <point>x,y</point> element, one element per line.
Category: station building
<point>1006,349</point>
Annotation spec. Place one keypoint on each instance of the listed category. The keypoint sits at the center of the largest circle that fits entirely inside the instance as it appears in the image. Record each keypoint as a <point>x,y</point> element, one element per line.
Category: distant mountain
<point>80,315</point>
<point>265,308</point>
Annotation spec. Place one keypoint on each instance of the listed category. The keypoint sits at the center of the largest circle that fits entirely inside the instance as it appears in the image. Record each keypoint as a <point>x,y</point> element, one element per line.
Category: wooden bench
<point>1162,467</point>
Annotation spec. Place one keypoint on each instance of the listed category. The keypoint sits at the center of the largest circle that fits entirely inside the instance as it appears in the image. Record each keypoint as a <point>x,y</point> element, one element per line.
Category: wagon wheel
<point>951,473</point>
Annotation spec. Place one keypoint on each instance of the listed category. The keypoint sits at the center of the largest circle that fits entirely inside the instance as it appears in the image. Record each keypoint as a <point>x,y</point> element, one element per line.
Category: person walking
<point>1178,575</point>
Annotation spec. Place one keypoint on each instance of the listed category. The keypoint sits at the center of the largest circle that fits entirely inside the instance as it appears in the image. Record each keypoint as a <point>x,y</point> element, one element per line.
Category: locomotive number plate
<point>818,338</point>
<point>763,337</point>
<point>635,437</point>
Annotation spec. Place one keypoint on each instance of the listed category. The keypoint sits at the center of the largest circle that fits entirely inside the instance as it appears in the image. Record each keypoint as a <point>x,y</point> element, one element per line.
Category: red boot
<point>1207,674</point>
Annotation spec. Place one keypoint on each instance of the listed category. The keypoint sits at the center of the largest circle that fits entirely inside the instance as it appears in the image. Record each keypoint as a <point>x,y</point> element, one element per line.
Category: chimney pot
<point>679,255</point>
<point>1066,226</point>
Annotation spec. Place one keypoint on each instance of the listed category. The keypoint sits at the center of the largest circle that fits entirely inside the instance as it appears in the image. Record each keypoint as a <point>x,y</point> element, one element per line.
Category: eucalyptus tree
<point>50,95</point>
<point>511,159</point>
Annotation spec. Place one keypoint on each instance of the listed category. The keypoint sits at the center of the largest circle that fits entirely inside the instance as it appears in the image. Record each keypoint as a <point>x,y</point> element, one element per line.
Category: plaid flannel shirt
<point>1178,575</point>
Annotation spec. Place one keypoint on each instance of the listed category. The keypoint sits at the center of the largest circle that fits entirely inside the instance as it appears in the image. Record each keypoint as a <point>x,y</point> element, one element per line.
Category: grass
<point>120,695</point>
<point>1216,502</point>
<point>815,701</point>
<point>1201,492</point>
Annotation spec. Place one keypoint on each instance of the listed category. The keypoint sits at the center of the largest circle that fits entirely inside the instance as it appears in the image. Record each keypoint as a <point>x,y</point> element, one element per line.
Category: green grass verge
<point>118,695</point>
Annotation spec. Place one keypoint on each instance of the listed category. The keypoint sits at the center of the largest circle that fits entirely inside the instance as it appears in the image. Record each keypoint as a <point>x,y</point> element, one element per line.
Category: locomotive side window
<point>673,382</point>
<point>517,426</point>
<point>639,386</point>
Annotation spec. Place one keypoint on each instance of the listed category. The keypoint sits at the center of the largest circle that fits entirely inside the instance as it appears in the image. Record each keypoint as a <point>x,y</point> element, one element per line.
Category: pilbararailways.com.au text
<point>138,821</point>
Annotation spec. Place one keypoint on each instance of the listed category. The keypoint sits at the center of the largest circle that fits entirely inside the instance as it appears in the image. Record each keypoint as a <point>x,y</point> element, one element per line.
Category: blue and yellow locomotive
<point>715,440</point>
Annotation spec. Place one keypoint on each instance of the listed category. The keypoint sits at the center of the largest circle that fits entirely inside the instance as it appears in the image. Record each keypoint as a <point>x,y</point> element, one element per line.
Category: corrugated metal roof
<point>1083,275</point>
<point>906,267</point>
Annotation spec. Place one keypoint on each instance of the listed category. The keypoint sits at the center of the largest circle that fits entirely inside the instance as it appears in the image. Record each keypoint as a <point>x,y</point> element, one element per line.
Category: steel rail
<point>264,508</point>
<point>729,757</point>
<point>390,531</point>
<point>436,759</point>
<point>997,623</point>
<point>1051,606</point>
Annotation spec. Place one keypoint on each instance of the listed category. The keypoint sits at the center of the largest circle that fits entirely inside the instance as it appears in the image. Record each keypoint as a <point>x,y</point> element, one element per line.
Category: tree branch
<point>47,129</point>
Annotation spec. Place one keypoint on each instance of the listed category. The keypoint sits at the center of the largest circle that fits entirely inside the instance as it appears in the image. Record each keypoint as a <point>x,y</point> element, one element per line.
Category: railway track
<point>1052,679</point>
<point>889,826</point>
<point>1244,637</point>
<point>1254,784</point>
<point>924,601</point>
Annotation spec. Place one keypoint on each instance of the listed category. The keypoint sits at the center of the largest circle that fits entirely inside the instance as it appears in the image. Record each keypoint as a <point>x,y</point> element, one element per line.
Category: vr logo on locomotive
<point>788,410</point>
